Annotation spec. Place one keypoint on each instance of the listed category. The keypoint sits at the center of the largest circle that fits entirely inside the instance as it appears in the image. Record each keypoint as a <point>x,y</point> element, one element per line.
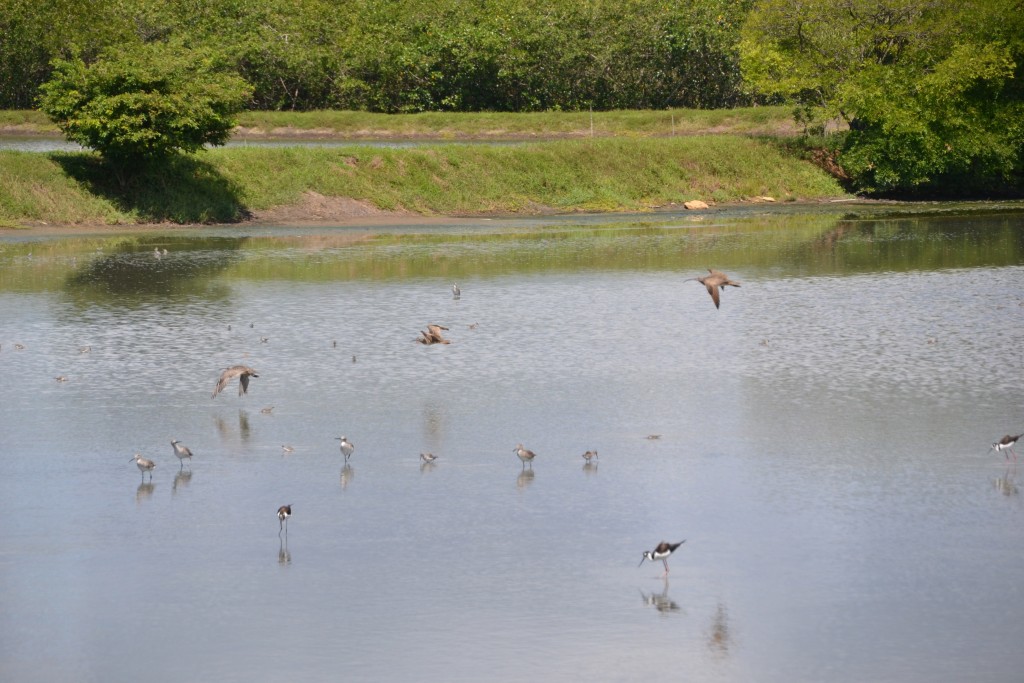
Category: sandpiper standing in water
<point>346,447</point>
<point>144,465</point>
<point>283,513</point>
<point>1006,444</point>
<point>661,553</point>
<point>525,455</point>
<point>182,451</point>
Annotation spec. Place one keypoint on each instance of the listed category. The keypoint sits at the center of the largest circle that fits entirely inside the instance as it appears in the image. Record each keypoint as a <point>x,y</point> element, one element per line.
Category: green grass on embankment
<point>530,125</point>
<point>776,120</point>
<point>224,185</point>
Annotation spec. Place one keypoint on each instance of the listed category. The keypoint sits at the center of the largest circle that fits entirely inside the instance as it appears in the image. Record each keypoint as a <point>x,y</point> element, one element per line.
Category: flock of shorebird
<point>715,282</point>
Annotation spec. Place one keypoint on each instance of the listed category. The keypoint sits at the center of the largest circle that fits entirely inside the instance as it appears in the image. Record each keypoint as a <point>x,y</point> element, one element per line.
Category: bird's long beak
<point>642,560</point>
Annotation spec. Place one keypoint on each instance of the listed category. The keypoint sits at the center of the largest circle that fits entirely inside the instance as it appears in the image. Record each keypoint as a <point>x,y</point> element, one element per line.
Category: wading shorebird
<point>242,372</point>
<point>1006,444</point>
<point>428,458</point>
<point>589,454</point>
<point>661,553</point>
<point>456,292</point>
<point>283,513</point>
<point>346,447</point>
<point>287,449</point>
<point>144,465</point>
<point>714,281</point>
<point>182,451</point>
<point>525,455</point>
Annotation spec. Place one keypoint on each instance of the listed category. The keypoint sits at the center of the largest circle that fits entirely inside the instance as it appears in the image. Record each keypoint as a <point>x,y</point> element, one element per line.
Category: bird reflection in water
<point>433,422</point>
<point>590,468</point>
<point>1007,484</point>
<point>182,479</point>
<point>284,556</point>
<point>222,428</point>
<point>243,425</point>
<point>524,479</point>
<point>719,639</point>
<point>661,601</point>
<point>347,475</point>
<point>144,491</point>
<point>225,432</point>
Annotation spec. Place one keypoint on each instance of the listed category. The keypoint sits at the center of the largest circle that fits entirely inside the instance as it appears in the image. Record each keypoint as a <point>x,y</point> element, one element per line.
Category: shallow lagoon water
<point>822,450</point>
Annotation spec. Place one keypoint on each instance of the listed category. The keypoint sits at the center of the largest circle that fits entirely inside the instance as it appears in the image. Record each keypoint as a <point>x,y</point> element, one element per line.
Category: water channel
<point>822,446</point>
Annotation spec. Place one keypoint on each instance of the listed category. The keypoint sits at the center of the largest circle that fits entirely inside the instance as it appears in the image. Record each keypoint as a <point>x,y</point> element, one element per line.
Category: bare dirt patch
<point>317,208</point>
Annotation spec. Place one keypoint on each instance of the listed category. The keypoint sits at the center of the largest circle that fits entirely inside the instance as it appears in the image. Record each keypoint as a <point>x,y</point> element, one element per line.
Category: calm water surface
<point>822,450</point>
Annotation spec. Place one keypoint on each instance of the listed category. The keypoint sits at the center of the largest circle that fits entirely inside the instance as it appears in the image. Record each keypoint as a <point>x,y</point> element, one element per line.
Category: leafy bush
<point>145,103</point>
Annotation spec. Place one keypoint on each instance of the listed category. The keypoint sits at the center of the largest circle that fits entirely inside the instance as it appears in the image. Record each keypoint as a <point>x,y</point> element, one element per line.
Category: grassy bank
<point>225,185</point>
<point>497,125</point>
<point>486,125</point>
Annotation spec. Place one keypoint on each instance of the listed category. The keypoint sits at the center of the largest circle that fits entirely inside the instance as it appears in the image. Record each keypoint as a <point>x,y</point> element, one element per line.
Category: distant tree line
<point>932,91</point>
<point>407,55</point>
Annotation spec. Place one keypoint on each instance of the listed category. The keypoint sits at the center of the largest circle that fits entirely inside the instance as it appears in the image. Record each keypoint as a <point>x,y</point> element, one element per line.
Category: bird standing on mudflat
<point>1006,444</point>
<point>182,451</point>
<point>428,458</point>
<point>661,552</point>
<point>525,455</point>
<point>715,280</point>
<point>589,454</point>
<point>144,465</point>
<point>242,372</point>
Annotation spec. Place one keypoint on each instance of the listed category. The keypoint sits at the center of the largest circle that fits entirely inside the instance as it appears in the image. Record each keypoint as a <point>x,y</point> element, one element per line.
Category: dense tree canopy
<point>409,55</point>
<point>932,90</point>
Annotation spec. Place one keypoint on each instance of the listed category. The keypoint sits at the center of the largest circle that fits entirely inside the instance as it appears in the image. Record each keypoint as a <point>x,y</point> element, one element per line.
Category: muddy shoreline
<point>348,213</point>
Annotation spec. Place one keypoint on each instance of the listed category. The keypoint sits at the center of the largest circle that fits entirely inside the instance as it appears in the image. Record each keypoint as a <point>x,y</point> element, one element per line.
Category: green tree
<point>32,33</point>
<point>930,89</point>
<point>142,104</point>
